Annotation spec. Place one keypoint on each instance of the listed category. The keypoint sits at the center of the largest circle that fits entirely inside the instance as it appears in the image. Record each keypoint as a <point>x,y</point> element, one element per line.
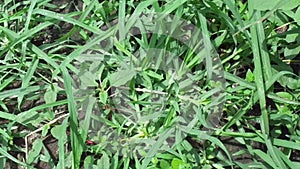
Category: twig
<point>40,129</point>
<point>145,90</point>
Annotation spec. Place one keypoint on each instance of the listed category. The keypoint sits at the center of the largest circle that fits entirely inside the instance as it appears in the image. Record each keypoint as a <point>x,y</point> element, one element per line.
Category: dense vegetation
<point>149,84</point>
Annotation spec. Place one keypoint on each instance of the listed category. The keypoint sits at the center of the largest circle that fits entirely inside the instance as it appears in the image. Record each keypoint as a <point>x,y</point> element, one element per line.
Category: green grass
<point>149,84</point>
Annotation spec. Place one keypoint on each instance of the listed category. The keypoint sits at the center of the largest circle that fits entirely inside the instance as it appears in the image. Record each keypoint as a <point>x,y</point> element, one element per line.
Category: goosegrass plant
<point>149,84</point>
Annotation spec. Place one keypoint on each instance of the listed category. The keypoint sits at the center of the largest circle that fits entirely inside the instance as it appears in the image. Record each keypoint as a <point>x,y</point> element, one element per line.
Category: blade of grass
<point>88,115</point>
<point>266,158</point>
<point>121,19</point>
<point>28,18</point>
<point>16,92</point>
<point>239,80</point>
<point>207,46</point>
<point>287,161</point>
<point>287,144</point>
<point>14,36</point>
<point>282,100</point>
<point>77,142</point>
<point>247,143</point>
<point>67,19</point>
<point>265,58</point>
<point>59,132</point>
<point>155,147</point>
<point>214,71</point>
<point>259,81</point>
<point>12,158</point>
<point>137,12</point>
<point>254,97</point>
<point>81,49</point>
<point>25,35</point>
<point>279,142</point>
<point>232,6</point>
<point>204,135</point>
<point>41,54</point>
<point>44,106</point>
<point>170,7</point>
<point>83,16</point>
<point>26,80</point>
<point>6,81</point>
<point>261,88</point>
<point>7,116</point>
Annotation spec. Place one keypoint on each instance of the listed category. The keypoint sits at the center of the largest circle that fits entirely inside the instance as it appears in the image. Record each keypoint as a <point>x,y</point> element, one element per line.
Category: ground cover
<point>149,84</point>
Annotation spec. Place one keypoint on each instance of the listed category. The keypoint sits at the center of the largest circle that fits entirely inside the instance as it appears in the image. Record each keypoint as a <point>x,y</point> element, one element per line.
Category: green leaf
<point>291,53</point>
<point>290,82</point>
<point>179,164</point>
<point>88,79</point>
<point>104,162</point>
<point>26,80</point>
<point>88,162</point>
<point>76,139</point>
<point>67,19</point>
<point>121,77</point>
<point>103,96</point>
<point>50,96</point>
<point>297,16</point>
<point>164,164</point>
<point>154,75</point>
<point>271,4</point>
<point>289,4</point>
<point>285,95</point>
<point>176,163</point>
<point>45,130</point>
<point>59,132</point>
<point>249,76</point>
<point>267,158</point>
<point>35,151</point>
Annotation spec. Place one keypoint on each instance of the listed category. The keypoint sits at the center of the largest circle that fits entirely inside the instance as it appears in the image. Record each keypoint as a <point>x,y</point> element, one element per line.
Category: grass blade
<point>12,158</point>
<point>259,80</point>
<point>77,142</point>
